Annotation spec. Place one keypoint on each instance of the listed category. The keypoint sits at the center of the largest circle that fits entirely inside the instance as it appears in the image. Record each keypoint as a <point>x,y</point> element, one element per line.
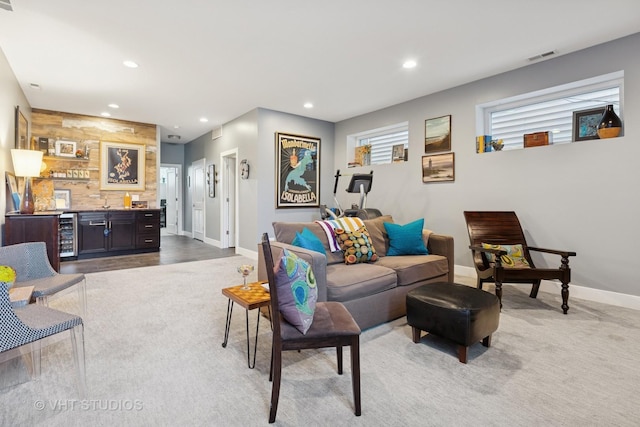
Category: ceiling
<point>220,59</point>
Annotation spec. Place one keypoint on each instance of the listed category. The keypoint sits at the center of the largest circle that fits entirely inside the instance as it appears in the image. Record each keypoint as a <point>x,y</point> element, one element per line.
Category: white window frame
<point>383,154</point>
<point>484,111</point>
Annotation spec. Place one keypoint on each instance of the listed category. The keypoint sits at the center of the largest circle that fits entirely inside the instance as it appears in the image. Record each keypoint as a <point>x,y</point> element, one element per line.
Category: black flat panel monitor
<point>358,179</point>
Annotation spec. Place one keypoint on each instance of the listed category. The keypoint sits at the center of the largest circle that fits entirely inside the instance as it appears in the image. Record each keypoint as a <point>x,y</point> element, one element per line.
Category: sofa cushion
<point>285,232</point>
<point>306,239</point>
<point>411,269</point>
<point>356,245</point>
<point>297,290</point>
<point>406,239</point>
<point>378,234</point>
<point>349,282</point>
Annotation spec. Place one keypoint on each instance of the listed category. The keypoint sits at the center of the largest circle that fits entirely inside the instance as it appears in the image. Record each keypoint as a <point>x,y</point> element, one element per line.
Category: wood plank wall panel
<point>87,132</point>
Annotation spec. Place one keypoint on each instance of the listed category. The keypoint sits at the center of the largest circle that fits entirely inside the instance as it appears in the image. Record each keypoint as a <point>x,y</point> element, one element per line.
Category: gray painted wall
<point>580,196</point>
<point>12,95</point>
<point>172,153</point>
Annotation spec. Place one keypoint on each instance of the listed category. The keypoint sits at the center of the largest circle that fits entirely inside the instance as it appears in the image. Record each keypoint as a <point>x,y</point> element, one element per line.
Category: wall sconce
<point>27,163</point>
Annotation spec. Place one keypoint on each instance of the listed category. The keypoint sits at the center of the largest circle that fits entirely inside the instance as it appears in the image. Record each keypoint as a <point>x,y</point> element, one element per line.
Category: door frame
<point>179,189</point>
<point>229,155</point>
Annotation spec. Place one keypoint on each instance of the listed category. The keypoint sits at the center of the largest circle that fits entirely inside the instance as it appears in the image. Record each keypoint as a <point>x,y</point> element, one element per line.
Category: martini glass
<point>245,270</point>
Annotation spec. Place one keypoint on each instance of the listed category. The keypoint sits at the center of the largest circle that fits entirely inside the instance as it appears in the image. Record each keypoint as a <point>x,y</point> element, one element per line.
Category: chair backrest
<point>29,260</point>
<point>495,227</point>
<point>13,333</point>
<point>273,291</point>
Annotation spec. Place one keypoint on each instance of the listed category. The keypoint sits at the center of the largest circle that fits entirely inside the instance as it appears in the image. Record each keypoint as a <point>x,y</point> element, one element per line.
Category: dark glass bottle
<point>610,124</point>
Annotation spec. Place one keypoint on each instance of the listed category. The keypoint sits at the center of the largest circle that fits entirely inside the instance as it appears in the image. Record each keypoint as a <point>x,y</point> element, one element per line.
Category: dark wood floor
<point>173,249</point>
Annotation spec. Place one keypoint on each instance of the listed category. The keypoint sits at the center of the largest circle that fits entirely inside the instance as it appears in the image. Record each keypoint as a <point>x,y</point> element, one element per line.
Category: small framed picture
<point>62,198</point>
<point>397,153</point>
<point>585,124</point>
<point>65,148</point>
<point>438,168</point>
<point>437,134</point>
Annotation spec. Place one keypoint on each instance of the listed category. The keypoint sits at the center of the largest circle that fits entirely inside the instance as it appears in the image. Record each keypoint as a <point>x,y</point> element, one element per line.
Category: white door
<point>229,199</point>
<point>170,187</point>
<point>198,194</point>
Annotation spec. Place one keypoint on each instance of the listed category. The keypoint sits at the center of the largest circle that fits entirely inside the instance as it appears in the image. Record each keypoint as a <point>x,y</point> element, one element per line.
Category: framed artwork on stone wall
<point>122,166</point>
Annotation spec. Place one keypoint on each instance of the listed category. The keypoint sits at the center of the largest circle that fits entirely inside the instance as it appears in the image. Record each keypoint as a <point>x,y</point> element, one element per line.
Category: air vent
<point>216,133</point>
<point>6,5</point>
<point>542,55</point>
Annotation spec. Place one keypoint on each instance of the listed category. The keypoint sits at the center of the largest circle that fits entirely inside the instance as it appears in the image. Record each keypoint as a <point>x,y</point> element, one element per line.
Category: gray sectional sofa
<point>374,292</point>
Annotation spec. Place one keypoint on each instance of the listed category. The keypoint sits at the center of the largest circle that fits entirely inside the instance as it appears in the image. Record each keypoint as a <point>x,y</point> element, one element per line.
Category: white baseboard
<point>575,291</point>
<point>240,251</point>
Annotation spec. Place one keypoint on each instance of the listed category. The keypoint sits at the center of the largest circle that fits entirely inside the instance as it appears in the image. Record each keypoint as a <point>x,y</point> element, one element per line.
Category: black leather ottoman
<point>460,313</point>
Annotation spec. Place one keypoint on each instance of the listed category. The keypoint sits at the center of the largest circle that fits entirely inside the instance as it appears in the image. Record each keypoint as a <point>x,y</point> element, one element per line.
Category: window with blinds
<point>549,110</point>
<point>383,140</point>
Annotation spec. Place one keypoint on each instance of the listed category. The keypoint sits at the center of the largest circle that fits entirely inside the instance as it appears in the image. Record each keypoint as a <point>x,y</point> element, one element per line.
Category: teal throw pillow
<point>406,239</point>
<point>297,290</point>
<point>308,240</point>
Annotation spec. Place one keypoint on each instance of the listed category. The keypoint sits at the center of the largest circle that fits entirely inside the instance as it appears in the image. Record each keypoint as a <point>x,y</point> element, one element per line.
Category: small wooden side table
<point>256,297</point>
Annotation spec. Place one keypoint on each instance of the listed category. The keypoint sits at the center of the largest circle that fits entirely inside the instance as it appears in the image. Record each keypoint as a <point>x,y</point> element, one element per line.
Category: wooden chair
<point>333,326</point>
<point>503,228</point>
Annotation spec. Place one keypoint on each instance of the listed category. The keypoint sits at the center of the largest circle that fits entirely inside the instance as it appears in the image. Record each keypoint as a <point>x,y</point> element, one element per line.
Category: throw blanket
<point>348,224</point>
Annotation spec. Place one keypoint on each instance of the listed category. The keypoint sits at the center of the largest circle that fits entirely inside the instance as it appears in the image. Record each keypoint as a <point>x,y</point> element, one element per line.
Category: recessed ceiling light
<point>105,114</point>
<point>409,64</point>
<point>176,127</point>
<point>308,105</point>
<point>34,86</point>
<point>130,64</point>
<point>204,119</point>
<point>114,106</point>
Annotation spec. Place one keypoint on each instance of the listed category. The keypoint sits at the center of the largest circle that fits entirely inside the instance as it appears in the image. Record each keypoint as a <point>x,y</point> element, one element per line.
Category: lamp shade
<point>26,162</point>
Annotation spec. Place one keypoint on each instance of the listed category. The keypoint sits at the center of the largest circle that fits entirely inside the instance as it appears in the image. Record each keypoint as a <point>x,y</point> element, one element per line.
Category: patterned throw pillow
<point>514,257</point>
<point>406,239</point>
<point>297,291</point>
<point>356,245</point>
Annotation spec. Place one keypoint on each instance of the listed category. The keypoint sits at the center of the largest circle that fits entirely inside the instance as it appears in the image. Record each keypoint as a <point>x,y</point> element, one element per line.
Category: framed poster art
<point>62,198</point>
<point>437,134</point>
<point>438,168</point>
<point>22,130</point>
<point>585,124</point>
<point>298,171</point>
<point>122,166</point>
<point>13,195</point>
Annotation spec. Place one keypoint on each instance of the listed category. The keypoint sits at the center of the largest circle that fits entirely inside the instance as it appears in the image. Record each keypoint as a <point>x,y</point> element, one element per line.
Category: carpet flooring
<point>154,357</point>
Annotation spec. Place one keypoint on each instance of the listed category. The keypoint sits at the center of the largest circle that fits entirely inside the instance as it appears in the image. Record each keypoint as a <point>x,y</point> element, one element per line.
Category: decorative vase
<point>610,124</point>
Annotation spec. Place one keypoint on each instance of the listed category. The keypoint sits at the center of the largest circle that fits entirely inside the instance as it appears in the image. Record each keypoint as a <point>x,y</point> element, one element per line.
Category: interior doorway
<point>170,191</point>
<point>229,205</point>
<point>198,195</point>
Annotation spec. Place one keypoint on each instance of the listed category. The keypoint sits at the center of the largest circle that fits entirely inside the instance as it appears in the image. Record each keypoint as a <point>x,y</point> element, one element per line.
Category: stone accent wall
<point>87,132</point>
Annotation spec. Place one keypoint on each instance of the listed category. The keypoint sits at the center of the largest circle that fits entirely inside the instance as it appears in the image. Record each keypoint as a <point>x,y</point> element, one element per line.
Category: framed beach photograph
<point>62,198</point>
<point>585,124</point>
<point>437,134</point>
<point>22,130</point>
<point>122,166</point>
<point>298,171</point>
<point>438,168</point>
<point>65,148</point>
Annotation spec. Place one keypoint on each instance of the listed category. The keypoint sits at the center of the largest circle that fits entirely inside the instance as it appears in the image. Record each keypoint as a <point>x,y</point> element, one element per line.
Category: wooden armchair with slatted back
<point>493,235</point>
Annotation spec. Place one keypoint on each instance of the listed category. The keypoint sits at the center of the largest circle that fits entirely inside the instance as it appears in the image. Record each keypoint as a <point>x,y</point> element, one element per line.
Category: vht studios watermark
<point>89,405</point>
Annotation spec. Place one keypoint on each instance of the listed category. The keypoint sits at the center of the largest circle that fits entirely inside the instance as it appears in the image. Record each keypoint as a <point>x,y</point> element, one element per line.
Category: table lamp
<point>26,163</point>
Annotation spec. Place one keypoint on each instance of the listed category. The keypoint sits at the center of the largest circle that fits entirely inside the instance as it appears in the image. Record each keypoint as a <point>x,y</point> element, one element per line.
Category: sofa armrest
<point>317,261</point>
<point>440,244</point>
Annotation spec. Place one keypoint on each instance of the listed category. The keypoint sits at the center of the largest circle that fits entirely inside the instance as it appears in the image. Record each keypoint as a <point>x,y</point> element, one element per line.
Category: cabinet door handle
<point>97,223</point>
<point>148,226</point>
<point>109,225</point>
<point>148,240</point>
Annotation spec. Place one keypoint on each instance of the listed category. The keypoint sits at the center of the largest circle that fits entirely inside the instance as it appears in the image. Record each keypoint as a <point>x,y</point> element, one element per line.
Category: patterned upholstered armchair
<point>26,327</point>
<point>33,269</point>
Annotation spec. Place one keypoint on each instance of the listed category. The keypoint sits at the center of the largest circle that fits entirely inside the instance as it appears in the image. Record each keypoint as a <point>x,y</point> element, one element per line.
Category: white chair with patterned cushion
<point>24,328</point>
<point>32,266</point>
